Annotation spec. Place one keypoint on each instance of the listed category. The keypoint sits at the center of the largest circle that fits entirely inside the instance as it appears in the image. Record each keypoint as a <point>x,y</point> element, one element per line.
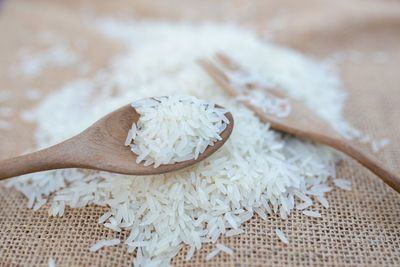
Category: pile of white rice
<point>174,129</point>
<point>258,171</point>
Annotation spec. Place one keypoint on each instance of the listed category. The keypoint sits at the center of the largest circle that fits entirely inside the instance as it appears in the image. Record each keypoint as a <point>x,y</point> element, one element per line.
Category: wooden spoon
<point>301,121</point>
<point>100,147</point>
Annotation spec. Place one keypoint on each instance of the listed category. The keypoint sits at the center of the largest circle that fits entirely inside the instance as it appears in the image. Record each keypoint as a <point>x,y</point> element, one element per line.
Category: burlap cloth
<point>362,227</point>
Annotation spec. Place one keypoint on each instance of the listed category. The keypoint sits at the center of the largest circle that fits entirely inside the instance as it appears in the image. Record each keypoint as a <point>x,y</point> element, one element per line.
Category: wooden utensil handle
<point>55,157</point>
<point>387,176</point>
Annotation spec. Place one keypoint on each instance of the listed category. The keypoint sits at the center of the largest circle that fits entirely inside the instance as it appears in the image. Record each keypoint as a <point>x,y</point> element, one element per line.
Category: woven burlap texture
<point>361,227</point>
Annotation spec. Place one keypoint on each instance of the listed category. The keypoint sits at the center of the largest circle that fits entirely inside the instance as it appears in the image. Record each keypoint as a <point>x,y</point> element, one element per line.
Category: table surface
<point>362,227</point>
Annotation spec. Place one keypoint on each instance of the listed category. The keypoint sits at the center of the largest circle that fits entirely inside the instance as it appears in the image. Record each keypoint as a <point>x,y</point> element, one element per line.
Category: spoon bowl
<point>101,147</point>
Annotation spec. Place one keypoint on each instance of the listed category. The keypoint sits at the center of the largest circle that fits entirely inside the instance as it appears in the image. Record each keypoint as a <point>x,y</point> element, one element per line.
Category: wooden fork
<point>301,121</point>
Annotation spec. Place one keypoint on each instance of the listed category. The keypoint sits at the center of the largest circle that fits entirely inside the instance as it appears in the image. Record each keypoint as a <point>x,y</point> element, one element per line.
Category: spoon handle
<point>55,157</point>
<point>387,176</point>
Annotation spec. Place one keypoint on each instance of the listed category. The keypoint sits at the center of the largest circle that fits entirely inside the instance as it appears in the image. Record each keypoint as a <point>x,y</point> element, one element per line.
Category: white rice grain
<point>190,253</point>
<point>212,254</point>
<point>224,249</point>
<point>51,262</point>
<point>343,184</point>
<point>281,236</point>
<point>323,201</point>
<point>234,232</point>
<point>304,205</point>
<point>312,213</point>
<point>104,217</point>
<point>104,243</point>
